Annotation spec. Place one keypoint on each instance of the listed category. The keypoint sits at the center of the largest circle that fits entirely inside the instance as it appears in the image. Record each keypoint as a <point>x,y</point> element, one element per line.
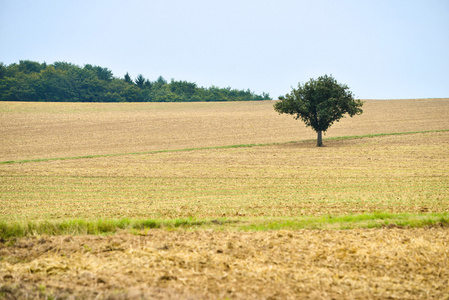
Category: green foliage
<point>319,103</point>
<point>66,82</point>
<point>2,70</point>
<point>140,81</point>
<point>127,78</point>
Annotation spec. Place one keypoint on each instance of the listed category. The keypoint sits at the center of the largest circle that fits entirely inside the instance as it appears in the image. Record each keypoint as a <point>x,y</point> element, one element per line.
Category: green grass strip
<point>130,153</point>
<point>19,229</point>
<point>372,220</point>
<point>214,147</point>
<point>84,227</point>
<point>354,137</point>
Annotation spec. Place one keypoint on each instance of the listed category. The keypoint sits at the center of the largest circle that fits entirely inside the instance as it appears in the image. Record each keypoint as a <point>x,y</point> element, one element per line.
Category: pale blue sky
<point>382,49</point>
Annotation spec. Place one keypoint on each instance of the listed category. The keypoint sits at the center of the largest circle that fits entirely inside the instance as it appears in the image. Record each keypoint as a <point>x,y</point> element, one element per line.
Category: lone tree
<point>319,103</point>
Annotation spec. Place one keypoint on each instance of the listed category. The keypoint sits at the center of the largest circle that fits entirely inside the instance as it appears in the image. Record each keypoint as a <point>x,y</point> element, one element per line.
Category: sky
<point>382,49</point>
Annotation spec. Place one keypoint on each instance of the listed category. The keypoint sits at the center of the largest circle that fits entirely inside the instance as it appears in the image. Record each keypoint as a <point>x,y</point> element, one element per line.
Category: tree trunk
<point>319,142</point>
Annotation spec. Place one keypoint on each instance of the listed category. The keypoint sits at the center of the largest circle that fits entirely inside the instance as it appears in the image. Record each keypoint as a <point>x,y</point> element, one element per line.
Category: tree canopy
<point>319,103</point>
<point>66,82</point>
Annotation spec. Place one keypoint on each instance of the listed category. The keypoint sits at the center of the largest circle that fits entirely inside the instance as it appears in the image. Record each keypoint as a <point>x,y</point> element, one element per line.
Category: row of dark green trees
<point>66,82</point>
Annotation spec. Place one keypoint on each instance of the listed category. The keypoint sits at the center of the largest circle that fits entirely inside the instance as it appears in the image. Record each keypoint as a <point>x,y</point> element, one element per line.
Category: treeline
<point>66,82</point>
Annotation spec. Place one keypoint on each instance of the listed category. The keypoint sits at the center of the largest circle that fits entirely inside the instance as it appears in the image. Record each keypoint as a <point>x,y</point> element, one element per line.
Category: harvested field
<point>237,195</point>
<point>306,264</point>
<point>395,174</point>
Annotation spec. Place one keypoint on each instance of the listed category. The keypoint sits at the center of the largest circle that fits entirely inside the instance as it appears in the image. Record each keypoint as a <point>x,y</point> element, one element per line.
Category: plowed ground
<point>47,130</point>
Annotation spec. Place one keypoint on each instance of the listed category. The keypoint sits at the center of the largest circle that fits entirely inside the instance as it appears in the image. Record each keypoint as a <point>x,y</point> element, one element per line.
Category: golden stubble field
<point>305,264</point>
<point>396,174</point>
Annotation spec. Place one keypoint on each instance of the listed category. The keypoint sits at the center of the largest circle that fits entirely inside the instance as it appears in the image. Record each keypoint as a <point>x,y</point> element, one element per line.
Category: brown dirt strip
<point>389,263</point>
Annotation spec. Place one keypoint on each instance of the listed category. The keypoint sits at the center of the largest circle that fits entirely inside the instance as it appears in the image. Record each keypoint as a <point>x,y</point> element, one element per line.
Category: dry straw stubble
<point>372,264</point>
